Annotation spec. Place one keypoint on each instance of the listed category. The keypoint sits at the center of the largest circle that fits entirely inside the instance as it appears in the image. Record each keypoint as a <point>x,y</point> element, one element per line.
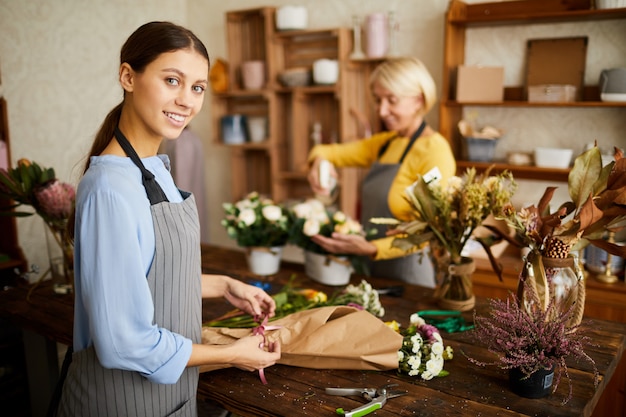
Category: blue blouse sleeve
<point>114,291</point>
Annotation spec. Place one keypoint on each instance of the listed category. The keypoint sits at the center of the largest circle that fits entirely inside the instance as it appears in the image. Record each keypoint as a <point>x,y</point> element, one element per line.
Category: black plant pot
<point>537,385</point>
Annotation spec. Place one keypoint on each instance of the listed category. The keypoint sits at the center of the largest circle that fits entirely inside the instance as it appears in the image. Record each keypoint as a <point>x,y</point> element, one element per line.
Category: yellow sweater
<point>427,153</point>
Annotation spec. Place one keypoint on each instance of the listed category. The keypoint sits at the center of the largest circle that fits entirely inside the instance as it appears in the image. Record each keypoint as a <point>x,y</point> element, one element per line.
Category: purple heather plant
<point>525,338</point>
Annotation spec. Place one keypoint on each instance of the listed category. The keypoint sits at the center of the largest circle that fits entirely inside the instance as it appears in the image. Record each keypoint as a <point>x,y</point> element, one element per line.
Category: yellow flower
<point>393,325</point>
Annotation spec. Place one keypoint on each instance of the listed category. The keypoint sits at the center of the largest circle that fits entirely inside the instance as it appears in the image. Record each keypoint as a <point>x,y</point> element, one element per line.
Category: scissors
<point>377,397</point>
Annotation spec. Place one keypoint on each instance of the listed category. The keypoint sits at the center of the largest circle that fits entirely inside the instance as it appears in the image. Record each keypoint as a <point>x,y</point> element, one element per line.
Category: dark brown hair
<point>140,49</point>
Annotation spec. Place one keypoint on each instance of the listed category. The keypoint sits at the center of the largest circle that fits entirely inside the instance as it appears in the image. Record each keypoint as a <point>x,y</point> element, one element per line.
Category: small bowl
<point>553,157</point>
<point>295,77</point>
<point>291,18</point>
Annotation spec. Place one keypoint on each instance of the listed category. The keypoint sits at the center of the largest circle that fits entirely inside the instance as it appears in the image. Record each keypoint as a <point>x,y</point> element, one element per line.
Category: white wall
<point>59,59</point>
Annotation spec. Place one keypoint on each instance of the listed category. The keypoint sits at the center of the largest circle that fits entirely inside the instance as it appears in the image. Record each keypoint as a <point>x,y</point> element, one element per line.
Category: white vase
<point>264,260</point>
<point>327,269</point>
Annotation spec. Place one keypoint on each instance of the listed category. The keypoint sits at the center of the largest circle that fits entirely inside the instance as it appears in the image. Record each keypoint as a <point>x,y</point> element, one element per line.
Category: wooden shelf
<point>530,12</point>
<point>277,167</point>
<point>462,16</point>
<point>519,171</point>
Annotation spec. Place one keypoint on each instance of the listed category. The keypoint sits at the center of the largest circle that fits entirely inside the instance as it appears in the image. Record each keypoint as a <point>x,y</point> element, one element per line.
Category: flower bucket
<point>536,385</point>
<point>455,290</point>
<point>327,269</point>
<point>264,260</point>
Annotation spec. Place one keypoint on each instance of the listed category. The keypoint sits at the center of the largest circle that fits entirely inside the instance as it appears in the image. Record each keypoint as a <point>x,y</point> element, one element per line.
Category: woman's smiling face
<point>398,113</point>
<point>169,92</point>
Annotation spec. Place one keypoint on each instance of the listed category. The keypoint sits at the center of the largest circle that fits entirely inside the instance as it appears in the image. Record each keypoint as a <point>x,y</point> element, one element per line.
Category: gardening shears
<point>377,397</point>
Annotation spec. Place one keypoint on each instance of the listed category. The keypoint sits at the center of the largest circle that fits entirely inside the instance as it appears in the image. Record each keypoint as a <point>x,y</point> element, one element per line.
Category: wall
<point>59,63</point>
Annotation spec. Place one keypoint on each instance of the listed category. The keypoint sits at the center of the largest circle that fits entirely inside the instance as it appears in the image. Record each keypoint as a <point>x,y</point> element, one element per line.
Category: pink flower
<point>56,199</point>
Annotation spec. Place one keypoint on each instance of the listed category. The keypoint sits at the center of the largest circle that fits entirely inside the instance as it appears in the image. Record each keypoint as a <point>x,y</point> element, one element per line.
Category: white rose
<point>416,320</point>
<point>302,210</point>
<point>437,348</point>
<point>340,217</point>
<point>272,213</point>
<point>311,227</point>
<point>247,216</point>
<point>435,365</point>
<point>243,204</point>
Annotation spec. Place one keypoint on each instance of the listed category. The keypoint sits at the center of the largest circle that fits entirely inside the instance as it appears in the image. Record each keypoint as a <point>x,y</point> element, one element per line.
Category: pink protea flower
<point>56,199</point>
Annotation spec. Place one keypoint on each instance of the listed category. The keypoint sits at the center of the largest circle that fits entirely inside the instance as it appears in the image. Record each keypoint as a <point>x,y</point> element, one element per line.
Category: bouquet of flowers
<point>342,331</point>
<point>423,352</point>
<point>530,339</point>
<point>53,200</point>
<point>447,216</point>
<point>292,300</point>
<point>256,221</point>
<point>311,217</point>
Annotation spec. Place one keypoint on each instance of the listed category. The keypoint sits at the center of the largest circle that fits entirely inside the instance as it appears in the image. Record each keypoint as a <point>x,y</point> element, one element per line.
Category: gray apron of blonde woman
<point>174,281</point>
<point>416,268</point>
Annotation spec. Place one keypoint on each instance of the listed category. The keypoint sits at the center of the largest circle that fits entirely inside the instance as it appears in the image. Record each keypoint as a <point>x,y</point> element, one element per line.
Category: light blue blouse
<point>114,247</point>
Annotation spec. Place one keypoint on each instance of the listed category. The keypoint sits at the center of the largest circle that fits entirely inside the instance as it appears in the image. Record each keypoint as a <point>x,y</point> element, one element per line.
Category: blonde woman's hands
<point>314,177</point>
<point>346,244</point>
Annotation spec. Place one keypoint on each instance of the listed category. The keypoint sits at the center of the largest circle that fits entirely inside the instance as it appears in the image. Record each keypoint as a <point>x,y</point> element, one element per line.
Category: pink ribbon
<point>260,329</point>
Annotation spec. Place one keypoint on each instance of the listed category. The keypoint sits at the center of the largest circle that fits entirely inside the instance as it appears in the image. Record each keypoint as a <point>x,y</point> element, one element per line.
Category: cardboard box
<point>479,84</point>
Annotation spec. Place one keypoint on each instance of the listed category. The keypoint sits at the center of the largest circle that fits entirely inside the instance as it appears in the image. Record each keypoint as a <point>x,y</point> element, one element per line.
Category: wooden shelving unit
<point>278,166</point>
<point>460,17</point>
<point>9,246</point>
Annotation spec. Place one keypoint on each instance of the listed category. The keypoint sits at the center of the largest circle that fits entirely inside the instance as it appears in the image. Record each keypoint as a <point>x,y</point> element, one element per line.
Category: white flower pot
<point>263,260</point>
<point>327,269</point>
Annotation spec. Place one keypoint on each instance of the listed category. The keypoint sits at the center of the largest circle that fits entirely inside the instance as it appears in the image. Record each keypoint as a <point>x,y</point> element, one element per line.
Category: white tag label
<point>433,175</point>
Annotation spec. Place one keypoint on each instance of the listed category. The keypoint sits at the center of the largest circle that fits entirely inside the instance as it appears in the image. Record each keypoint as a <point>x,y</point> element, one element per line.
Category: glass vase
<point>554,280</point>
<point>455,291</point>
<point>61,256</point>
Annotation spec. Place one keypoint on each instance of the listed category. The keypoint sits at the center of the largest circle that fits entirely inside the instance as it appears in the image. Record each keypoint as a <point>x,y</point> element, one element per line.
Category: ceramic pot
<point>537,385</point>
<point>325,71</point>
<point>263,260</point>
<point>327,269</point>
<point>234,129</point>
<point>253,75</point>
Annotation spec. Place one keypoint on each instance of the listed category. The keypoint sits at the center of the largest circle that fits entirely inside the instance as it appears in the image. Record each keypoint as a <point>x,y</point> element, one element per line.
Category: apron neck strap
<point>414,137</point>
<point>153,189</point>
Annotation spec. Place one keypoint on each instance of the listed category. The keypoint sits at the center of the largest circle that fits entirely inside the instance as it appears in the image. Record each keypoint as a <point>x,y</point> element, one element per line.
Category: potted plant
<point>597,207</point>
<point>310,218</point>
<point>532,344</point>
<point>30,184</point>
<point>260,226</point>
<point>445,218</point>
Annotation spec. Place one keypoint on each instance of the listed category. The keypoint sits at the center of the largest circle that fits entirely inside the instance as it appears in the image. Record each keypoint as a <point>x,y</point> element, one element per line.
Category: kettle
<point>612,84</point>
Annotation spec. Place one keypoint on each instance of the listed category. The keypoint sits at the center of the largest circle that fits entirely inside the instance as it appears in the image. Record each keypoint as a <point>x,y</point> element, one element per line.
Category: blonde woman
<point>404,92</point>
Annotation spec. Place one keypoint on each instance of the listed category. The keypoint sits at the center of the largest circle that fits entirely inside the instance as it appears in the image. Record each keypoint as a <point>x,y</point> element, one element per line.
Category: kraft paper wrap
<point>337,337</point>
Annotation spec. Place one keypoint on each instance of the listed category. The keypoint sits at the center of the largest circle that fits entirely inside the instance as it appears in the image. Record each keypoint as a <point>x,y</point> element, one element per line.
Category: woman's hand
<point>314,177</point>
<point>346,244</point>
<point>253,300</point>
<point>247,353</point>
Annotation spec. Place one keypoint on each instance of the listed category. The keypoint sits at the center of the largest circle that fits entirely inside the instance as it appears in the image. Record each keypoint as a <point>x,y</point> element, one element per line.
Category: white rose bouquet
<point>423,352</point>
<point>256,221</point>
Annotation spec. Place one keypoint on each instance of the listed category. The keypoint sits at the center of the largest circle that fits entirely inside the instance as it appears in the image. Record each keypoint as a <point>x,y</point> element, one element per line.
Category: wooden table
<point>467,391</point>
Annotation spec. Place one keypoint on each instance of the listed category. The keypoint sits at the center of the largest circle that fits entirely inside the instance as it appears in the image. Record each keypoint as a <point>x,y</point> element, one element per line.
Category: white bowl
<point>553,157</point>
<point>291,17</point>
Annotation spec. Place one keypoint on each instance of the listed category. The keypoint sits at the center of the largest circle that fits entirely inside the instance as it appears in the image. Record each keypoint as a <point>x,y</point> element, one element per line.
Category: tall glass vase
<point>455,291</point>
<point>554,280</point>
<point>61,256</point>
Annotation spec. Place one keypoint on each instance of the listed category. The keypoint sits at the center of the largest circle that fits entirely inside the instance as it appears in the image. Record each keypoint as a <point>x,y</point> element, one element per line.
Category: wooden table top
<point>468,390</point>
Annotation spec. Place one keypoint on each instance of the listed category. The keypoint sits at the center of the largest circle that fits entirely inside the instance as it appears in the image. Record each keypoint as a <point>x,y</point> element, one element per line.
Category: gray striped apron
<point>91,390</point>
<point>416,268</point>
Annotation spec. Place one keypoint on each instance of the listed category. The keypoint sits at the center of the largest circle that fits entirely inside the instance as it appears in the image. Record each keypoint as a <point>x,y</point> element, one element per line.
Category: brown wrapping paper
<point>336,337</point>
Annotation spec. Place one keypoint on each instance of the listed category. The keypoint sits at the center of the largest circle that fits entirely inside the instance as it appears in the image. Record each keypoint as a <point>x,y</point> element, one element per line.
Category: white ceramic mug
<point>325,71</point>
<point>253,75</point>
<point>257,129</point>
